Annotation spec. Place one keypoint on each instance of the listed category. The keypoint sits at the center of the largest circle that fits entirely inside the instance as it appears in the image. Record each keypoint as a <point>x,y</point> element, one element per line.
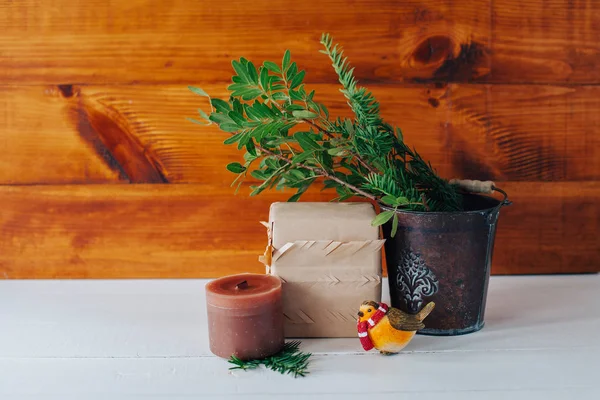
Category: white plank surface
<point>147,339</point>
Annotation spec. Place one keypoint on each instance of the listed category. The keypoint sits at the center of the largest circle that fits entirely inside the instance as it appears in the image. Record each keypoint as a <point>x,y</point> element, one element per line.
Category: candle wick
<point>242,285</point>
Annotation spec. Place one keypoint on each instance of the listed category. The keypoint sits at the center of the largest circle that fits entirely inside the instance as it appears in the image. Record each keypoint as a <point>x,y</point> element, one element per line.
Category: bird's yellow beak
<point>363,313</point>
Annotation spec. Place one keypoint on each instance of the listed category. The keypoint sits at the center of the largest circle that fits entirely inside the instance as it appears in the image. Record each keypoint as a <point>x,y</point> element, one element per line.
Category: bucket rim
<point>503,202</point>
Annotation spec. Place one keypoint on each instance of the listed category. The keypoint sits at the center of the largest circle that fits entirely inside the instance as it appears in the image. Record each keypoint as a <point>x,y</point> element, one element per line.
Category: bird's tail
<point>421,315</point>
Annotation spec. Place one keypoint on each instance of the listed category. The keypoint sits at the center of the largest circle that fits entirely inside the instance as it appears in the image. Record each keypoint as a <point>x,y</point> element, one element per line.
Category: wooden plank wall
<point>102,176</point>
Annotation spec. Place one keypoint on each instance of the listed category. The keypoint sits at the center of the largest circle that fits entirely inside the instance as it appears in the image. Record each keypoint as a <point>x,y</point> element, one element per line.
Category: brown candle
<point>245,316</point>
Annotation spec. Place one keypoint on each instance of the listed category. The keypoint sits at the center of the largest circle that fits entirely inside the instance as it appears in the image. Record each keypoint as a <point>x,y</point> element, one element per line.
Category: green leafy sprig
<point>290,140</point>
<point>290,360</point>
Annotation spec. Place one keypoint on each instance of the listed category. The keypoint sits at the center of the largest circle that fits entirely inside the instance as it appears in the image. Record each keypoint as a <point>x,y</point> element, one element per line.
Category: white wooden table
<point>147,339</point>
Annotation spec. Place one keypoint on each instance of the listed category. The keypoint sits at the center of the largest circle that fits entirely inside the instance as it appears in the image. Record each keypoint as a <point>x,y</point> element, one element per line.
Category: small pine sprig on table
<point>290,360</point>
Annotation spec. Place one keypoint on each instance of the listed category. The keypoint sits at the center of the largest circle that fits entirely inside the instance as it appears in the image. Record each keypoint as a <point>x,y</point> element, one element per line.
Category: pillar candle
<point>245,316</point>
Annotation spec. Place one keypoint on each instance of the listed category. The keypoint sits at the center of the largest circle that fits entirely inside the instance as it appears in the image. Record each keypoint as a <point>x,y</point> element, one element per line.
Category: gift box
<point>328,257</point>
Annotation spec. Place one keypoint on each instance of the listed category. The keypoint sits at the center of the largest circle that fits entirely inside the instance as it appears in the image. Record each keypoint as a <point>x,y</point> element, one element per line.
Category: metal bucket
<point>444,257</point>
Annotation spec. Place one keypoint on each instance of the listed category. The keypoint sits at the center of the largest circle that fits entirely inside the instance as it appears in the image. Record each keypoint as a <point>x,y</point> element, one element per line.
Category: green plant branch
<point>320,172</point>
<point>324,131</point>
<point>424,199</point>
<point>316,126</point>
<point>361,156</point>
<point>331,136</point>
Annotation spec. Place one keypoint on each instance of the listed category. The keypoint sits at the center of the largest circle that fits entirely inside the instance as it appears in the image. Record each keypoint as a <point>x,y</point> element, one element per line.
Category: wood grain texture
<point>38,144</point>
<point>552,227</point>
<point>139,134</point>
<point>549,41</point>
<point>126,231</point>
<point>524,132</point>
<point>94,231</point>
<point>176,41</point>
<point>95,93</point>
<point>184,40</point>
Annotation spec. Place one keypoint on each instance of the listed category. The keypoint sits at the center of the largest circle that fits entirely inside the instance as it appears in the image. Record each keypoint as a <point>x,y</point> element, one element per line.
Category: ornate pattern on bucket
<point>415,280</point>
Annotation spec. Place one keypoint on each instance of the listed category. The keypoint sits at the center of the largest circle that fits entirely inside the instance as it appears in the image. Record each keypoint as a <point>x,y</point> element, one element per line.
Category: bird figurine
<point>386,328</point>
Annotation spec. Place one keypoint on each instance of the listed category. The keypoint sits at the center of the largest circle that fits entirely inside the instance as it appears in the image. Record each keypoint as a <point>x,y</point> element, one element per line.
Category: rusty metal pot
<point>445,257</point>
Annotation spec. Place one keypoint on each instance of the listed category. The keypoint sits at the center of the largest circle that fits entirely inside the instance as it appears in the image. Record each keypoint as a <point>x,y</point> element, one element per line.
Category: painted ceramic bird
<point>386,328</point>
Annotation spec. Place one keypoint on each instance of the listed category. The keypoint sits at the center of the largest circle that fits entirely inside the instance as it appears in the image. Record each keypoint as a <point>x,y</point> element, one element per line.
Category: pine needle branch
<point>290,360</point>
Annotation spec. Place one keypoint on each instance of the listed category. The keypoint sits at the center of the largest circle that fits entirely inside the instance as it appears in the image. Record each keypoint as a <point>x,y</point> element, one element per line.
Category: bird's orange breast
<point>386,338</point>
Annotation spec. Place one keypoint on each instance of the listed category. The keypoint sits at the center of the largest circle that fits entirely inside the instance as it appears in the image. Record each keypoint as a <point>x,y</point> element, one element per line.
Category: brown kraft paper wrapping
<point>329,258</point>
